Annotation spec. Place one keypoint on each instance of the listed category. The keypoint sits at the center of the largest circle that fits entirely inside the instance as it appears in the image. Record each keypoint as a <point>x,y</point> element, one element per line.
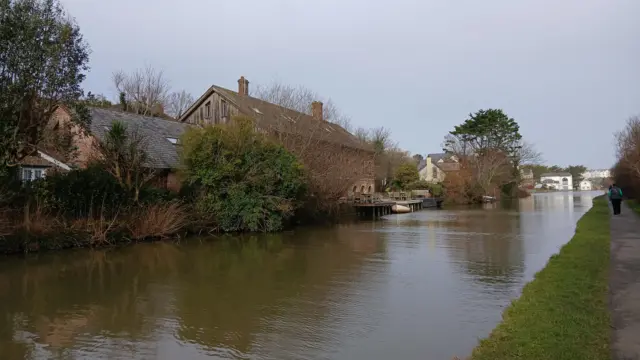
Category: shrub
<point>157,220</point>
<point>90,192</point>
<point>245,180</point>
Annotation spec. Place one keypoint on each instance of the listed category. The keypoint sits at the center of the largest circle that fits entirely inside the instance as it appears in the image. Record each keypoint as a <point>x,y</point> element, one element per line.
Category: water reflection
<point>425,284</point>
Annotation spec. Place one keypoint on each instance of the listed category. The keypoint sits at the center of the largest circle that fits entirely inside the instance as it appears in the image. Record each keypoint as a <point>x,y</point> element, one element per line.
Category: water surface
<point>424,285</point>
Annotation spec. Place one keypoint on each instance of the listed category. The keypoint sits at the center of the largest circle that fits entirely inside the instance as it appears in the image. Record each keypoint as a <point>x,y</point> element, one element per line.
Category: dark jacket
<point>615,193</point>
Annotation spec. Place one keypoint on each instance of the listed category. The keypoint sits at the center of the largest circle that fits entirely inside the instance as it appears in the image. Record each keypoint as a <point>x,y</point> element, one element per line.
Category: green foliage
<point>406,174</point>
<point>85,193</point>
<point>576,172</point>
<point>488,130</point>
<point>563,313</point>
<point>42,62</point>
<point>246,181</point>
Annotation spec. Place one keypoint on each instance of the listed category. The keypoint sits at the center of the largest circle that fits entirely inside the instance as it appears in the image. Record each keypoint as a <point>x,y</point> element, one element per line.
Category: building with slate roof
<point>435,166</point>
<point>218,105</point>
<point>162,138</point>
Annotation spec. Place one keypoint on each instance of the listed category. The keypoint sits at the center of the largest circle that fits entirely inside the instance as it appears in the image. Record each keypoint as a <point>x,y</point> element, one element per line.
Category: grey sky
<point>567,71</point>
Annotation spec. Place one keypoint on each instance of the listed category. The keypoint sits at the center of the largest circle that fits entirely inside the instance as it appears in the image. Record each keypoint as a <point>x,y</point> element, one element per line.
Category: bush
<point>243,179</point>
<point>89,192</point>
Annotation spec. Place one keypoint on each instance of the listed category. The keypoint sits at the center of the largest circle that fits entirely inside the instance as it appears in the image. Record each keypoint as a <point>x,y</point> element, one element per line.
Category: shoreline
<point>563,312</point>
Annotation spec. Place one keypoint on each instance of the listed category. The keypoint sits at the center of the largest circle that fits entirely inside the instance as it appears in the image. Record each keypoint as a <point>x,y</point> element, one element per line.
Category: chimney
<point>243,86</point>
<point>316,110</point>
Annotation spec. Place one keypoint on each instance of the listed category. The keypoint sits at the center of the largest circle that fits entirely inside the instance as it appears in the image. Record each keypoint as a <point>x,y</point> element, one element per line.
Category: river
<point>424,285</point>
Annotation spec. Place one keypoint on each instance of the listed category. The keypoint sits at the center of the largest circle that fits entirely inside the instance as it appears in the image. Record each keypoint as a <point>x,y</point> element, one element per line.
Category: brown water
<point>424,285</point>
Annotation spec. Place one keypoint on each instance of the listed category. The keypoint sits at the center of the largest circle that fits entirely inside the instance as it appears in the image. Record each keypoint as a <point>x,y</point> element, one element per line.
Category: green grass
<point>562,313</point>
<point>634,205</point>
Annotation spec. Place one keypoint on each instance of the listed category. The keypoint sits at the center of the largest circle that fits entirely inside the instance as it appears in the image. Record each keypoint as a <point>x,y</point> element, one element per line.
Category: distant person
<point>615,195</point>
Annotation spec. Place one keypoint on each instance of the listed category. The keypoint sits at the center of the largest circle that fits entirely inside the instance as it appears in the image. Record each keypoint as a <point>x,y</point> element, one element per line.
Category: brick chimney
<point>243,86</point>
<point>316,110</point>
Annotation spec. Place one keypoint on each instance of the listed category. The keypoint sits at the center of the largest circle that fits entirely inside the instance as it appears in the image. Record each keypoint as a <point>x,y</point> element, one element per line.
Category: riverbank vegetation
<point>489,150</point>
<point>562,313</point>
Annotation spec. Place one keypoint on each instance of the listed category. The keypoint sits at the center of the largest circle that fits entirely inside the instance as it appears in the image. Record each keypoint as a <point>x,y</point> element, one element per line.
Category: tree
<point>489,130</point>
<point>406,174</point>
<point>489,146</point>
<point>244,179</point>
<point>43,58</point>
<point>576,172</point>
<point>123,154</point>
<point>178,103</point>
<point>300,98</point>
<point>332,167</point>
<point>417,158</point>
<point>145,90</point>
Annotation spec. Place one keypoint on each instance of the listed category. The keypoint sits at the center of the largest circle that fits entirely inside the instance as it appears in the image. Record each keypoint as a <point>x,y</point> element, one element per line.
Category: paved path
<point>624,285</point>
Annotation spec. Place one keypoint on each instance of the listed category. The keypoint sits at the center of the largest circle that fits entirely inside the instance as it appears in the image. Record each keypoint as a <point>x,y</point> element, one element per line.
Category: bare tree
<point>178,102</point>
<point>145,90</point>
<point>334,159</point>
<point>526,153</point>
<point>300,98</point>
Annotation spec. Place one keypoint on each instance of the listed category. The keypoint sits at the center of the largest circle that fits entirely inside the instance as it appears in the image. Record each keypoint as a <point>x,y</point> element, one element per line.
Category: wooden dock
<point>373,210</point>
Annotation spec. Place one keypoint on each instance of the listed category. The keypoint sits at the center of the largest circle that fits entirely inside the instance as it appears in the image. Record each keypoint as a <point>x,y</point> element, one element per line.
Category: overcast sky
<point>567,71</point>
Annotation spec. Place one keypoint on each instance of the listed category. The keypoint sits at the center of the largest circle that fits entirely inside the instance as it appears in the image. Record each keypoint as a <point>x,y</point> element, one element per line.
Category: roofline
<point>193,106</point>
<point>54,161</point>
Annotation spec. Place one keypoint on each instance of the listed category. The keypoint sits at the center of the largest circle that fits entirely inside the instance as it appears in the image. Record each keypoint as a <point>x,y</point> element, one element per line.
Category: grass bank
<point>562,313</point>
<point>634,205</point>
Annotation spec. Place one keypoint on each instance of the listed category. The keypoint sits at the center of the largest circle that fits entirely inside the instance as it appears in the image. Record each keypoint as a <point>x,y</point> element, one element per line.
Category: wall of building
<point>216,116</point>
<point>427,173</point>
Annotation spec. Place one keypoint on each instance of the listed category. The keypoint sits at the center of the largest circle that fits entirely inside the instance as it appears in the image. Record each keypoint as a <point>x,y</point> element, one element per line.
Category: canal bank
<point>562,313</point>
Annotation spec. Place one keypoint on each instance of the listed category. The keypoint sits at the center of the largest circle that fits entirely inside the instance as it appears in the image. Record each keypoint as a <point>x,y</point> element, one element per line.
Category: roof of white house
<point>555,174</point>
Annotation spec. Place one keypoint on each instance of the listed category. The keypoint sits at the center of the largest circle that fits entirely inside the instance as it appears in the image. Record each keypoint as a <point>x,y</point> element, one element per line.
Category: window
<point>201,113</point>
<point>224,110</point>
<point>172,140</point>
<point>435,172</point>
<point>26,174</point>
<point>207,110</point>
<point>30,174</point>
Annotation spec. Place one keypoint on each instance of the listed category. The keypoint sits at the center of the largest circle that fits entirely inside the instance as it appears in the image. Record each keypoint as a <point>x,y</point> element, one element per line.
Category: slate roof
<point>556,174</point>
<point>162,153</point>
<point>422,164</point>
<point>272,116</point>
<point>437,157</point>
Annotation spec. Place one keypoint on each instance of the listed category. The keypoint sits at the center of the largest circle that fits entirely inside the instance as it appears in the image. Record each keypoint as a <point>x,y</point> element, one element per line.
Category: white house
<point>585,185</point>
<point>597,173</point>
<point>36,166</point>
<point>557,181</point>
<point>434,167</point>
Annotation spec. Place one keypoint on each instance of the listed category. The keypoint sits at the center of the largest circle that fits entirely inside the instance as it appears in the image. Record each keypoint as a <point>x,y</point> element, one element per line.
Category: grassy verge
<point>562,313</point>
<point>634,205</point>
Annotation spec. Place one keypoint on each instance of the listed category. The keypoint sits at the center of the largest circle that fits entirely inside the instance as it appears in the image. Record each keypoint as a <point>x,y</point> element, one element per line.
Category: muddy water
<point>424,285</point>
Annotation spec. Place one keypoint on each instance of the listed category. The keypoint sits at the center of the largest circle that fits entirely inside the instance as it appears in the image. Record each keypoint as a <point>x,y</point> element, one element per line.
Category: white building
<point>597,173</point>
<point>585,185</point>
<point>557,181</point>
<point>434,167</point>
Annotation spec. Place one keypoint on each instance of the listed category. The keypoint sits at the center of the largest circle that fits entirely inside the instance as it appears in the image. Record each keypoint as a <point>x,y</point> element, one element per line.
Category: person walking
<point>615,196</point>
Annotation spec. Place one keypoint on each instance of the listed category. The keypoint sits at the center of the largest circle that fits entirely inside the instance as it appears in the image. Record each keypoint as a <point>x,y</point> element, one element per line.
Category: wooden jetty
<point>373,210</point>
